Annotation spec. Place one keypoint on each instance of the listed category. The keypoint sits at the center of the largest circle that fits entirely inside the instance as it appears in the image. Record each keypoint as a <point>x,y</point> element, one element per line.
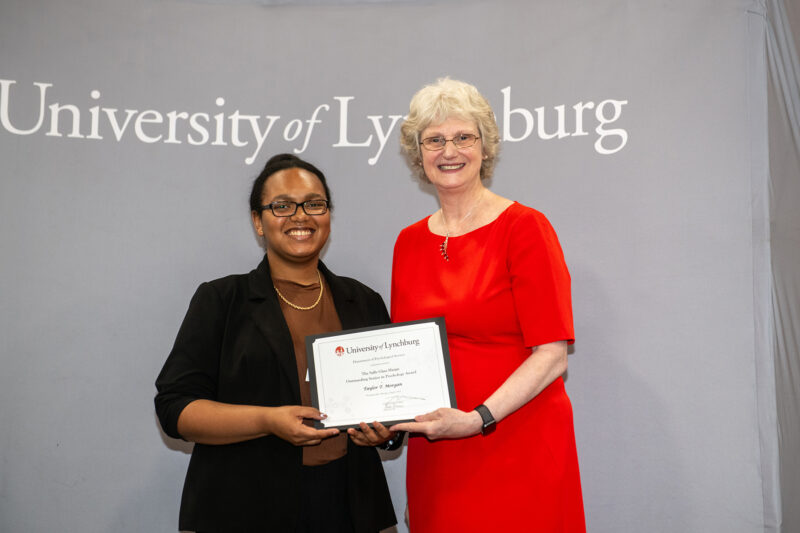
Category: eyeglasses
<point>462,140</point>
<point>288,209</point>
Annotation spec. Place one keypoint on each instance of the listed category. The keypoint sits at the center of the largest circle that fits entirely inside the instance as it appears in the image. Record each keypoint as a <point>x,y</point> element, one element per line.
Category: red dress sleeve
<point>540,281</point>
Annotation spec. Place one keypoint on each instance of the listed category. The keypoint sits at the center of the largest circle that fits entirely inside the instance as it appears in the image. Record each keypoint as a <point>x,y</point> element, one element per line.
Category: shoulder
<point>519,213</point>
<point>222,292</point>
<point>527,220</point>
<point>358,305</point>
<point>529,234</point>
<point>349,287</point>
<point>225,285</point>
<point>420,226</point>
<point>226,282</point>
<point>410,234</point>
<point>355,287</point>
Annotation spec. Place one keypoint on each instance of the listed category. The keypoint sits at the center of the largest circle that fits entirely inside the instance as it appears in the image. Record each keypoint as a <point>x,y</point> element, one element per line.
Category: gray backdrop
<point>130,134</point>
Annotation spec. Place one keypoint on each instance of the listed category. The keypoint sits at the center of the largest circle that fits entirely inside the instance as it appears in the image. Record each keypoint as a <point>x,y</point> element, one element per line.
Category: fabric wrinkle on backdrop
<point>661,139</point>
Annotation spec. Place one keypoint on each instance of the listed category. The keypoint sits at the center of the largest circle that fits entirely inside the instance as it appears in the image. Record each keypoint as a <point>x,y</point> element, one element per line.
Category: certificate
<point>386,373</point>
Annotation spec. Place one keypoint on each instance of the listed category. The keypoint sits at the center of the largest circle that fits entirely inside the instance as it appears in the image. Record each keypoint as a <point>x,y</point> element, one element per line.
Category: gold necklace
<point>443,246</point>
<point>300,307</point>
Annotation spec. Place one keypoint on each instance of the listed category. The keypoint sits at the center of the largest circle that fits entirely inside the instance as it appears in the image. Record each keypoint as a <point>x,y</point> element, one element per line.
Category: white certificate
<point>388,374</point>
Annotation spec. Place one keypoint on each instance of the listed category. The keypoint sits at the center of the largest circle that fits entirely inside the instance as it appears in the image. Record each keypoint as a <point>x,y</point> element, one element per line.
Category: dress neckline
<point>498,217</point>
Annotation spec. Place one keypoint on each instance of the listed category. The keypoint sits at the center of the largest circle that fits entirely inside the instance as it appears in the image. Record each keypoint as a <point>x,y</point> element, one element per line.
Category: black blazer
<point>234,346</point>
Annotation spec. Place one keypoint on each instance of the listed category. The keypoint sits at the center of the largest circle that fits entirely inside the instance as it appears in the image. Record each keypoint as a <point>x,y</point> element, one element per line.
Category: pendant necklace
<point>443,245</point>
<point>300,307</point>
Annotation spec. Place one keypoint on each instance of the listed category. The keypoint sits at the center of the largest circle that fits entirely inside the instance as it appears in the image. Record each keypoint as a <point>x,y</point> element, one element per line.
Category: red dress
<point>505,289</point>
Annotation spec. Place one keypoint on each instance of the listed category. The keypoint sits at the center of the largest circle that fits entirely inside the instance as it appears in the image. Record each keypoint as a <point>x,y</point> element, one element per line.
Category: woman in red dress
<point>494,269</point>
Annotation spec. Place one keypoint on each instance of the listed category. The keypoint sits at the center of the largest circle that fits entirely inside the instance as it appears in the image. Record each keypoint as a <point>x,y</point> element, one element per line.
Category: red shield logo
<point>339,351</point>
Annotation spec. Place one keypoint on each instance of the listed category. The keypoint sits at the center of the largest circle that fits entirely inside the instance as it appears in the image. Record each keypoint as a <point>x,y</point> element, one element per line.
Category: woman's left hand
<point>371,436</point>
<point>444,423</point>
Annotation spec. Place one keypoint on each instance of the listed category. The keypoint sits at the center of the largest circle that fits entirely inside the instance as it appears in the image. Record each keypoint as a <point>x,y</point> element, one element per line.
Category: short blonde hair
<point>435,103</point>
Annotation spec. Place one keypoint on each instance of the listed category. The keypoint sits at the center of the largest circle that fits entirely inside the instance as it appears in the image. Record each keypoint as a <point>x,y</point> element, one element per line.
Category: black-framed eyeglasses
<point>438,142</point>
<point>285,208</point>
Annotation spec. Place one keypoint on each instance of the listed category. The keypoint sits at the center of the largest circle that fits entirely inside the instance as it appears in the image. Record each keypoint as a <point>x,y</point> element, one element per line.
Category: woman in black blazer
<point>235,382</point>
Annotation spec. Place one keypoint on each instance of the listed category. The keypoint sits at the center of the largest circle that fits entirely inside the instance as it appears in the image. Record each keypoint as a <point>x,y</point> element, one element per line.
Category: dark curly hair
<point>277,163</point>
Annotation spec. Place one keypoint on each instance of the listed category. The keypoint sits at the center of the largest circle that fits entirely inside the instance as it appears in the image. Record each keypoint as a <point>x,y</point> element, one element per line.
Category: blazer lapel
<point>269,319</point>
<point>343,299</point>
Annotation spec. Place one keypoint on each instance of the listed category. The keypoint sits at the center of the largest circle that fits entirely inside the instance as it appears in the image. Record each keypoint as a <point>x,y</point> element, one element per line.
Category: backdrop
<point>130,133</point>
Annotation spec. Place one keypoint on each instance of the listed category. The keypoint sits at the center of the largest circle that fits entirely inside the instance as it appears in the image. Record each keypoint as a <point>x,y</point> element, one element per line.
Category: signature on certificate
<point>398,402</point>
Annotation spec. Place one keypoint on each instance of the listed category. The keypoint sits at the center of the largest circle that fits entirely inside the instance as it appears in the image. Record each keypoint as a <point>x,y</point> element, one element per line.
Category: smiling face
<point>297,239</point>
<point>452,167</point>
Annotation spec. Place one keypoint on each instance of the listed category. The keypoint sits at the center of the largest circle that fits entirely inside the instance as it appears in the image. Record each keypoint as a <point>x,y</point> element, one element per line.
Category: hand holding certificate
<point>388,374</point>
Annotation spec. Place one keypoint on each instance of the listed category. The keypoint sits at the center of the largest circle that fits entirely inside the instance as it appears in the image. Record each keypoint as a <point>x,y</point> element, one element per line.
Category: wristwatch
<point>489,422</point>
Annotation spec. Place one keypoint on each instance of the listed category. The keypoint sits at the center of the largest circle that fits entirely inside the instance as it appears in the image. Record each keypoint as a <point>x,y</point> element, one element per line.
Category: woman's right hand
<point>444,423</point>
<point>286,422</point>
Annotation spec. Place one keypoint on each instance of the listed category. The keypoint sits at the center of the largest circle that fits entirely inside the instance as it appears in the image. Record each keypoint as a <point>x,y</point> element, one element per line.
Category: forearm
<point>540,369</point>
<point>210,422</point>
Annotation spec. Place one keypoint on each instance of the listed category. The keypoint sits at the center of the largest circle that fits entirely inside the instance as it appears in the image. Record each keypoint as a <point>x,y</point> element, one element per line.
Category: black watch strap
<point>489,422</point>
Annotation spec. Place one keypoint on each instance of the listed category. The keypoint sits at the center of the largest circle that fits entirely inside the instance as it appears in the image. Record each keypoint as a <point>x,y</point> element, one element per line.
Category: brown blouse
<point>321,319</point>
